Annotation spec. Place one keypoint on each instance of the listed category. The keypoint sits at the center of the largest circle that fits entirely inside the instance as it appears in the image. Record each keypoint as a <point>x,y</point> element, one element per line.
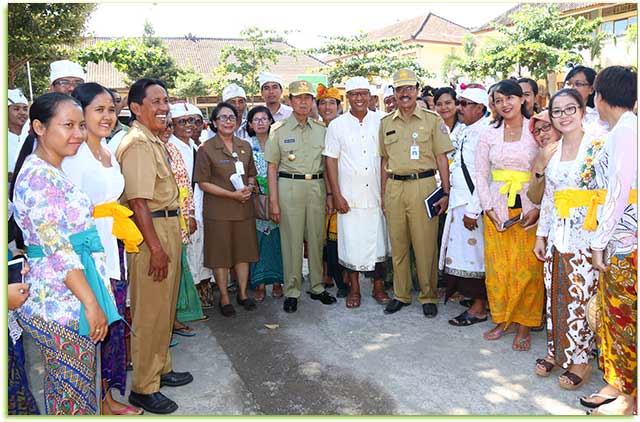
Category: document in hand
<point>436,195</point>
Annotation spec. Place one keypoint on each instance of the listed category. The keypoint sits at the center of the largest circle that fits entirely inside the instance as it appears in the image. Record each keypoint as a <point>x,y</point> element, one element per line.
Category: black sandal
<point>465,319</point>
<point>248,304</point>
<point>592,405</point>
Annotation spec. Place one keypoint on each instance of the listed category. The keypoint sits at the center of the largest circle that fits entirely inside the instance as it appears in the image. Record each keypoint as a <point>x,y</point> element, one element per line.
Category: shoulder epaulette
<point>278,125</point>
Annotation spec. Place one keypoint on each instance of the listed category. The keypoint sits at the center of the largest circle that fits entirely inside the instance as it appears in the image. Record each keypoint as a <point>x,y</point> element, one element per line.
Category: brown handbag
<point>261,205</point>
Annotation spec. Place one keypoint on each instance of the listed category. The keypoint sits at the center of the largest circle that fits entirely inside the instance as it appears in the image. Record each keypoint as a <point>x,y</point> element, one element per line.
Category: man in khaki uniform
<point>298,198</point>
<point>154,273</point>
<point>413,143</point>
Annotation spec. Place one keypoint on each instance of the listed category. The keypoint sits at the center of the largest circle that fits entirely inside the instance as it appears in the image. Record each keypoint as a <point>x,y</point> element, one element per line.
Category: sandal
<point>496,334</point>
<point>547,367</point>
<point>575,381</point>
<point>276,291</point>
<point>353,300</point>
<point>522,345</point>
<point>381,297</point>
<point>126,410</point>
<point>184,331</point>
<point>260,294</point>
<point>465,319</point>
<point>593,405</point>
<point>248,304</point>
<point>227,310</point>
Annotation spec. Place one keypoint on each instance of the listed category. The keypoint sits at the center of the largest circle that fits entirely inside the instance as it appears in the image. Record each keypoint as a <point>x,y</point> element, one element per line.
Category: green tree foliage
<point>359,56</point>
<point>242,65</point>
<point>539,40</point>
<point>145,57</point>
<point>40,33</point>
<point>190,83</point>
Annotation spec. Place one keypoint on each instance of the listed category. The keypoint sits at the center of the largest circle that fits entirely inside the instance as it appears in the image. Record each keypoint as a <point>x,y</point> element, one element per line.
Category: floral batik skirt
<point>618,304</point>
<point>570,281</point>
<point>69,366</point>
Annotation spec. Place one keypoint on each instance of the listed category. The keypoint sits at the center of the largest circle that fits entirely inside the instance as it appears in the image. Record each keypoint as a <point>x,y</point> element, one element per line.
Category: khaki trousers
<point>153,308</point>
<point>302,215</point>
<point>409,225</point>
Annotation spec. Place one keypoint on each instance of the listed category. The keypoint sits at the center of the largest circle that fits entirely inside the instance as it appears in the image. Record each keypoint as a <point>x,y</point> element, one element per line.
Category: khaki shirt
<point>214,164</point>
<point>305,142</point>
<point>397,135</point>
<point>145,166</point>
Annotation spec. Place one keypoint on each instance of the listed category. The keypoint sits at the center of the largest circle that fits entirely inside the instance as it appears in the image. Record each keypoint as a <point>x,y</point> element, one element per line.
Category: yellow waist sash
<point>123,228</point>
<point>573,198</point>
<point>183,194</point>
<point>514,181</point>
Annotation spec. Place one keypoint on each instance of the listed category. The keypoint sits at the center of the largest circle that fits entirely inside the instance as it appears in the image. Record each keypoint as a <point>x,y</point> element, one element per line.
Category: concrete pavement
<point>330,360</point>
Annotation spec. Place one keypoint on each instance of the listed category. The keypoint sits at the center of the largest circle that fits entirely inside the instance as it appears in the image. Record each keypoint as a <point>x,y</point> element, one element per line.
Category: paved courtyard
<point>330,360</point>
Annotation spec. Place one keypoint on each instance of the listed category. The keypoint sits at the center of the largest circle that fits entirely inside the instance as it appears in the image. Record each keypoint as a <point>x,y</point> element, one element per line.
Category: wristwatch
<point>539,176</point>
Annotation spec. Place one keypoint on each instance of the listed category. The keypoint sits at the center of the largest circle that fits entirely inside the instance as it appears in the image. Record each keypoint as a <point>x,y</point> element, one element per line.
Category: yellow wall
<point>431,56</point>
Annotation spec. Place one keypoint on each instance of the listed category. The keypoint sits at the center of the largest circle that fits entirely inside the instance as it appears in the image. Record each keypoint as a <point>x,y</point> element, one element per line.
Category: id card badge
<point>415,152</point>
<point>239,168</point>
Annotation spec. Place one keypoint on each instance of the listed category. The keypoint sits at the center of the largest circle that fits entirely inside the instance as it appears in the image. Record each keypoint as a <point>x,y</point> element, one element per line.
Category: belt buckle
<point>308,177</point>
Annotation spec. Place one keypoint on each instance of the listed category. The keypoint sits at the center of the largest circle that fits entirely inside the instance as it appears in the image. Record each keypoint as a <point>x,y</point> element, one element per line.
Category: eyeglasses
<point>184,122</point>
<point>65,83</point>
<point>464,103</point>
<point>227,118</point>
<point>576,84</point>
<point>569,111</point>
<point>197,122</point>
<point>260,120</point>
<point>408,88</point>
<point>543,128</point>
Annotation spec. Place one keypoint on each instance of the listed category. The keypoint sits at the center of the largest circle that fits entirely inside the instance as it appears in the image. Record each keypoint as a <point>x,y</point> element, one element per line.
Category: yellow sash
<point>183,194</point>
<point>573,198</point>
<point>123,228</point>
<point>513,179</point>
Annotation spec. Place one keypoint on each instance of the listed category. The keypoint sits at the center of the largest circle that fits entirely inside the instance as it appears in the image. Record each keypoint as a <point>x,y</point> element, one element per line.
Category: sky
<point>309,21</point>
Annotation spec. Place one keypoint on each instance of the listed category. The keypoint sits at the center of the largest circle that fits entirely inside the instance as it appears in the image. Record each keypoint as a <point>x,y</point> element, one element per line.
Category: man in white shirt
<point>462,252</point>
<point>236,96</point>
<point>271,90</point>
<point>353,170</point>
<point>184,116</point>
<point>18,129</point>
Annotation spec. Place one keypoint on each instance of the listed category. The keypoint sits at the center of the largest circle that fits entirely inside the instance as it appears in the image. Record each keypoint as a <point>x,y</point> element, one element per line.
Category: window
<point>619,27</point>
<point>607,27</point>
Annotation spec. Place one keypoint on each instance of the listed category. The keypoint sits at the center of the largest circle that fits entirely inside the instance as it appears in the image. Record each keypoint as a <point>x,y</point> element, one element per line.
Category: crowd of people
<point>126,229</point>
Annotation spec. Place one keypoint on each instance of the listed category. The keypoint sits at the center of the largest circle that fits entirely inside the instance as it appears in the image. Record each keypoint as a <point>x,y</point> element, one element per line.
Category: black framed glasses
<point>66,83</point>
<point>260,120</point>
<point>544,128</point>
<point>567,111</point>
<point>227,118</point>
<point>184,122</point>
<point>576,84</point>
<point>464,103</point>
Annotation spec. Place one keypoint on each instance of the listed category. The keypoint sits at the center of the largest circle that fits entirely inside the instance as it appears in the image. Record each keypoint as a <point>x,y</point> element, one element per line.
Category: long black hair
<point>43,109</point>
<point>589,74</point>
<point>509,87</point>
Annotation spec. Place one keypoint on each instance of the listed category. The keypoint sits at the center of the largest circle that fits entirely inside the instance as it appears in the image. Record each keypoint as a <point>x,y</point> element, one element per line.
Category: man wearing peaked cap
<point>271,90</point>
<point>18,127</point>
<point>353,169</point>
<point>462,251</point>
<point>236,96</point>
<point>298,197</point>
<point>413,144</point>
<point>65,75</point>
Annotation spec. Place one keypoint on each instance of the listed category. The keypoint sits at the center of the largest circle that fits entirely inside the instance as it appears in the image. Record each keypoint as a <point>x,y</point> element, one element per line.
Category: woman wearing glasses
<point>581,79</point>
<point>547,138</point>
<point>564,232</point>
<point>229,220</point>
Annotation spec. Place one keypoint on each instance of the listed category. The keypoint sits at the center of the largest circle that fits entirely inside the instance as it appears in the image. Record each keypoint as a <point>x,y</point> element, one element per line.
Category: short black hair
<point>533,84</point>
<point>216,112</point>
<point>569,92</point>
<point>617,86</point>
<point>509,87</point>
<point>253,112</point>
<point>446,90</point>
<point>138,92</point>
<point>589,74</point>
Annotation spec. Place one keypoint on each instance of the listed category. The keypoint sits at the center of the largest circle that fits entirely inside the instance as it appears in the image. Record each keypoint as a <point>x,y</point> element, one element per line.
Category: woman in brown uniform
<point>229,218</point>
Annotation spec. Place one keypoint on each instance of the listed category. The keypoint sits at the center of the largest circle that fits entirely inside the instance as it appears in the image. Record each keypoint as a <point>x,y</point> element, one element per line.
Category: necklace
<point>97,154</point>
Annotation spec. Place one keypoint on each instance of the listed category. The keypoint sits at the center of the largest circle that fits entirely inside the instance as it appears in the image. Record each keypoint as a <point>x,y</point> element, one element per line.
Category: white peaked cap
<point>179,110</point>
<point>16,96</point>
<point>357,82</point>
<point>232,91</point>
<point>65,68</point>
<point>477,95</point>
<point>269,77</point>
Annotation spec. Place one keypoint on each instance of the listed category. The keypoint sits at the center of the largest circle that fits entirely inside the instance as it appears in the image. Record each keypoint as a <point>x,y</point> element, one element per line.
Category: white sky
<point>312,20</point>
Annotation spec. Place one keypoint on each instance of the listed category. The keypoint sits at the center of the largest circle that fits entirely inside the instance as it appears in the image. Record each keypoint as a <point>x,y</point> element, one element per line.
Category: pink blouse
<point>492,153</point>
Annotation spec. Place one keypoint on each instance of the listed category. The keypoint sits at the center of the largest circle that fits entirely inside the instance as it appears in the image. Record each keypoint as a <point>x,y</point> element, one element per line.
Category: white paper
<point>236,181</point>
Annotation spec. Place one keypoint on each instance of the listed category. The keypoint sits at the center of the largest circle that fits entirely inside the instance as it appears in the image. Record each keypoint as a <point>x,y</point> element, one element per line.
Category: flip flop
<point>173,343</point>
<point>465,319</point>
<point>592,405</point>
<point>353,300</point>
<point>128,410</point>
<point>494,334</point>
<point>523,345</point>
<point>185,331</point>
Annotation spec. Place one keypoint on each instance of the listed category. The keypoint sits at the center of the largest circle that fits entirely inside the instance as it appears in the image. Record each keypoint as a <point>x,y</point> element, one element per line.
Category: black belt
<point>300,176</point>
<point>414,176</point>
<point>164,213</point>
<point>518,204</point>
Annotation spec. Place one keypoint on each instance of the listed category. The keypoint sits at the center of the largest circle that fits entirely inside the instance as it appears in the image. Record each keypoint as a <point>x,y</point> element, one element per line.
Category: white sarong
<point>362,239</point>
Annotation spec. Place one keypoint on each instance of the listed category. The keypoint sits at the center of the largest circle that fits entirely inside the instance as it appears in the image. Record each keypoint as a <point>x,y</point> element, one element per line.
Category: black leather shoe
<point>290,305</point>
<point>394,306</point>
<point>175,379</point>
<point>430,310</point>
<point>324,297</point>
<point>153,403</point>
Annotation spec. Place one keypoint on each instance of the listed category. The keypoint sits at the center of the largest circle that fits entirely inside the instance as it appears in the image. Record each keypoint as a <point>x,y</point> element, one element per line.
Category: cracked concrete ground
<point>330,360</point>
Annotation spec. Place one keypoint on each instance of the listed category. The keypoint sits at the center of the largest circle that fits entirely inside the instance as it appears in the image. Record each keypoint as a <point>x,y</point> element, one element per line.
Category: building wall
<point>432,55</point>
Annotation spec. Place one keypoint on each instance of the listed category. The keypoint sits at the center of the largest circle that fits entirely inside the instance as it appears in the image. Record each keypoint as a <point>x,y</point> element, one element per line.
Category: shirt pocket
<point>425,142</point>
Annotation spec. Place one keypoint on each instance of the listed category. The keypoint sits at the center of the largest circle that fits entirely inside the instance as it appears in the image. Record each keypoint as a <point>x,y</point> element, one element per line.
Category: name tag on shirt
<point>239,168</point>
<point>289,141</point>
<point>414,152</point>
